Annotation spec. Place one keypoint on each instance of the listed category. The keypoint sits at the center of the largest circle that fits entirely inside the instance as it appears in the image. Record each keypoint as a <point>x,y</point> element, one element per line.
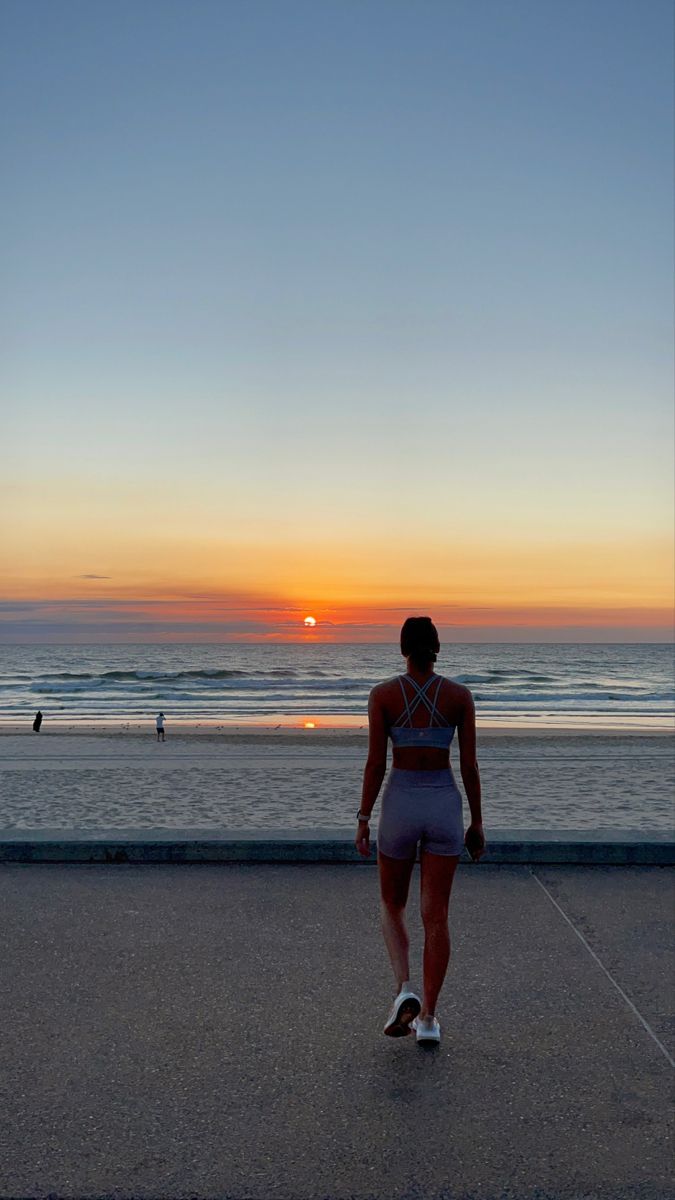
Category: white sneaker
<point>427,1029</point>
<point>404,1009</point>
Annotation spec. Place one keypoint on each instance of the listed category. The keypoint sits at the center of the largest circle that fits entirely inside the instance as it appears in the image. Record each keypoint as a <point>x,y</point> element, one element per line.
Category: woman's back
<point>421,711</point>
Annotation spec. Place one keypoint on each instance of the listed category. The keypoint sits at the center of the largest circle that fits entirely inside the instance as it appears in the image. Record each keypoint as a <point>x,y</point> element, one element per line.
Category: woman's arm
<point>376,763</point>
<point>468,763</point>
<point>375,768</point>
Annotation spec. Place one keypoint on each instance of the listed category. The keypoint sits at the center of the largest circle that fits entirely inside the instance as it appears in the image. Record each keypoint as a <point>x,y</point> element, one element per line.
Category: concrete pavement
<point>215,1031</point>
<point>620,847</point>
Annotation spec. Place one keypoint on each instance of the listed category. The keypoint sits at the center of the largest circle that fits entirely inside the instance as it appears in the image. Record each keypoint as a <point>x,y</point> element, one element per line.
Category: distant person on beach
<point>160,726</point>
<point>37,722</point>
<point>421,803</point>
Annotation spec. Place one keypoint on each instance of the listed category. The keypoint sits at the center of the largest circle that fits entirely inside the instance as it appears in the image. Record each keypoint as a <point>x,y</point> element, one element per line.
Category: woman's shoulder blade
<point>458,695</point>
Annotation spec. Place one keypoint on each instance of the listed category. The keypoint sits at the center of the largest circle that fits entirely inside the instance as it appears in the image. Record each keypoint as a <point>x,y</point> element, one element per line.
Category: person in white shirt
<point>160,726</point>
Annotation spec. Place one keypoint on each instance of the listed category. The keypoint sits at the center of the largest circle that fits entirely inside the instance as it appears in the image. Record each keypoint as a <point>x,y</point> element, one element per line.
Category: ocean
<point>596,685</point>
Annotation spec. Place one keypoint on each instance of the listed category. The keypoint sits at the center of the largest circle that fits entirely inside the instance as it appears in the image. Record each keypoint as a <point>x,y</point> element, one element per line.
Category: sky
<point>353,309</point>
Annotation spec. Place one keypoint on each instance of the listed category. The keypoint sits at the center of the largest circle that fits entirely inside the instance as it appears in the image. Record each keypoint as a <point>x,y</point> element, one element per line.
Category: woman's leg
<point>394,884</point>
<point>438,872</point>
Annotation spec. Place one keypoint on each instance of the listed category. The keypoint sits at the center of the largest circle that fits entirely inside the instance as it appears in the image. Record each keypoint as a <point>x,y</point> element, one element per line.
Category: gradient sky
<point>353,309</point>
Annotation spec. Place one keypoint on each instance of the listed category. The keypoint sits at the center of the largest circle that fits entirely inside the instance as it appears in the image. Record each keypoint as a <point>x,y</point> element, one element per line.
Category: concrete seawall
<point>586,847</point>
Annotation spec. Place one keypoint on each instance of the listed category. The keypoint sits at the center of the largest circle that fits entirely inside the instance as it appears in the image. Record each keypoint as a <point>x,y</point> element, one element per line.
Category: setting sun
<point>310,622</point>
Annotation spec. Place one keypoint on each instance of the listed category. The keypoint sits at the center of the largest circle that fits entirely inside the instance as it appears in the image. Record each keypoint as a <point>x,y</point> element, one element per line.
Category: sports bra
<point>404,733</point>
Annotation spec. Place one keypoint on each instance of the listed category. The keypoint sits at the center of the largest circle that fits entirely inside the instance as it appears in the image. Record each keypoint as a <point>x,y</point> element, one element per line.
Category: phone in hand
<point>475,843</point>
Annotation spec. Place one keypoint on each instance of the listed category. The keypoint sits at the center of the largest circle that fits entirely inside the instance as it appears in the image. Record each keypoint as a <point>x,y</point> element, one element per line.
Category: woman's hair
<point>419,641</point>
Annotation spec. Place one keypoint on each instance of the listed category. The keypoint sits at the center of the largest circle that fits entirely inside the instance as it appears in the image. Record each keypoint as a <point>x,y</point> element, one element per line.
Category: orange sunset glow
<point>198,588</point>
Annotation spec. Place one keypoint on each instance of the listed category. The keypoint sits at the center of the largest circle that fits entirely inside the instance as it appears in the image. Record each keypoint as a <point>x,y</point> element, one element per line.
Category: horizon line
<point>308,641</point>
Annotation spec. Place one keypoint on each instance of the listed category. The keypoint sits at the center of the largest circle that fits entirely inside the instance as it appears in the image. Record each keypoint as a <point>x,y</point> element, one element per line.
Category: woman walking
<point>421,803</point>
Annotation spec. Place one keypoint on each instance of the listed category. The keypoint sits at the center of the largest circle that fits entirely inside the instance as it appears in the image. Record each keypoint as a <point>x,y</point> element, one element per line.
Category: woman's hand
<point>362,840</point>
<point>474,840</point>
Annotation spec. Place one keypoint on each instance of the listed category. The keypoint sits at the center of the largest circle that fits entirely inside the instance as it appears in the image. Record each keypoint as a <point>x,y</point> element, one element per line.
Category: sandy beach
<point>215,777</point>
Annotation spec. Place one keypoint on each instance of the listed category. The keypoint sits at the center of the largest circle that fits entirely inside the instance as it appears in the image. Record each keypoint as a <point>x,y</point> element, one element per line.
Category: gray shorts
<point>424,807</point>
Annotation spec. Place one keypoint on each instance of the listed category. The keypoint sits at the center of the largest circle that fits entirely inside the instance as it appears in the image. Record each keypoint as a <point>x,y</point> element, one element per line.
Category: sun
<point>310,622</point>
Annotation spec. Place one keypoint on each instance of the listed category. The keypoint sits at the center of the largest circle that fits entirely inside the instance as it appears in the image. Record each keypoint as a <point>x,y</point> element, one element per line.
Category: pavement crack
<point>603,968</point>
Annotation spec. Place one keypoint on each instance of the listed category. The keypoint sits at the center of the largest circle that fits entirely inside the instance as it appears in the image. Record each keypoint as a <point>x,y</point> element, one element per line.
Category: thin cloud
<point>92,577</point>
